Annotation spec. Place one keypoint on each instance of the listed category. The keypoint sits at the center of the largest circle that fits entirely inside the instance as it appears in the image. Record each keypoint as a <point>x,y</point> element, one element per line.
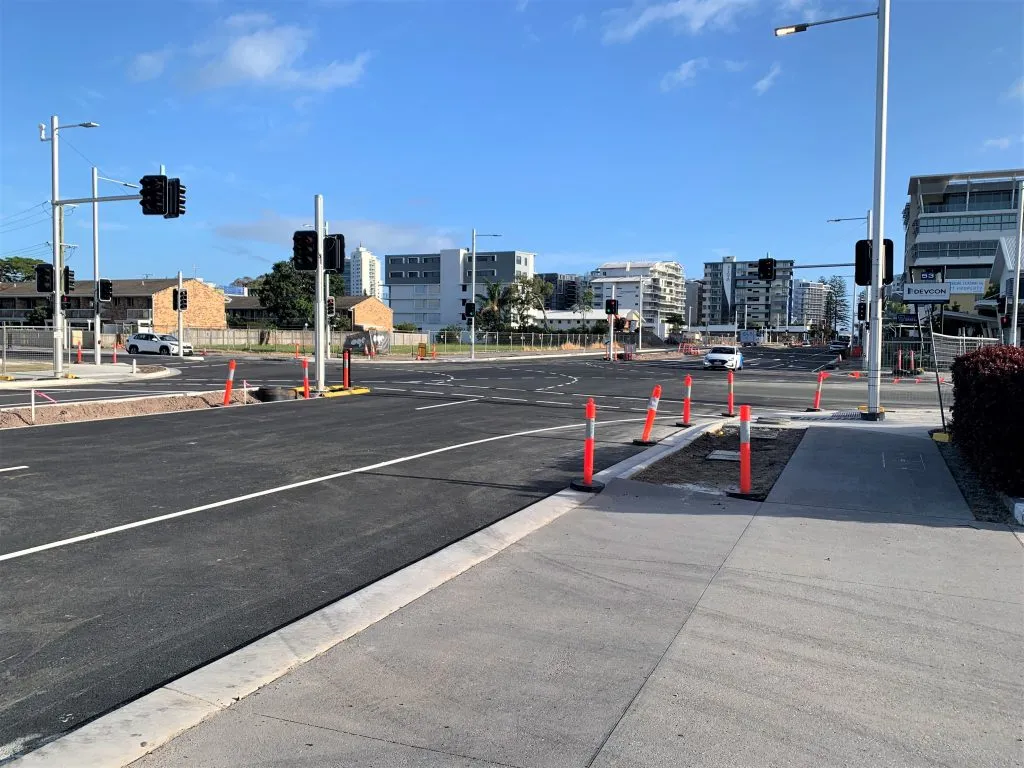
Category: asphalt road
<point>205,530</point>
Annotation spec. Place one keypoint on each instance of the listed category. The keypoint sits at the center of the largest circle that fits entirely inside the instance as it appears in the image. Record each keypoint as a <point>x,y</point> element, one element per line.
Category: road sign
<point>926,293</point>
<point>906,318</point>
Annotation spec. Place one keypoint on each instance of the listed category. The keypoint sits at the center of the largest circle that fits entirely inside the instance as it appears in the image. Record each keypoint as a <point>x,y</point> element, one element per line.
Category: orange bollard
<point>588,483</point>
<point>652,411</point>
<point>305,378</point>
<point>817,394</point>
<point>115,353</point>
<point>229,383</point>
<point>686,402</point>
<point>744,449</point>
<point>913,368</point>
<point>731,413</point>
<point>346,363</point>
<point>296,351</point>
<point>899,361</point>
<point>78,357</point>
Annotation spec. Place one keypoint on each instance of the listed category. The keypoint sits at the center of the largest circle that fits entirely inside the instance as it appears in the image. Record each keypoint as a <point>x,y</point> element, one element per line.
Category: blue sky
<point>583,131</point>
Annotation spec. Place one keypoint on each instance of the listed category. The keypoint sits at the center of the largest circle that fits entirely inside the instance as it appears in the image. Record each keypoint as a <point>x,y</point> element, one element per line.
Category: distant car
<point>154,343</point>
<point>729,358</point>
<point>838,346</point>
<point>806,344</point>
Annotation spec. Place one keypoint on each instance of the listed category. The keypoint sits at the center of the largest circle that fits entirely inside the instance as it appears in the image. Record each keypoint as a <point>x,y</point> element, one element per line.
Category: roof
<point>347,302</point>
<point>242,302</point>
<point>945,178</point>
<point>145,287</point>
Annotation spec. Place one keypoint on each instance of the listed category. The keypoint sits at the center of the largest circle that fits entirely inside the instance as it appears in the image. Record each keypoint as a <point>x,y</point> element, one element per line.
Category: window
<point>421,289</point>
<point>412,274</point>
<point>396,260</point>
<point>431,303</point>
<point>433,317</point>
<point>433,289</point>
<point>418,304</point>
<point>413,260</point>
<point>396,274</point>
<point>465,287</point>
<point>432,275</point>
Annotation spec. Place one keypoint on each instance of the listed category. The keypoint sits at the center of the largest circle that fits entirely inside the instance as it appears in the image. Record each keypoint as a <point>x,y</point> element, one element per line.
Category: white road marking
<point>445,405</point>
<point>390,389</point>
<point>511,399</point>
<point>553,402</point>
<point>474,386</point>
<point>289,487</point>
<point>11,469</point>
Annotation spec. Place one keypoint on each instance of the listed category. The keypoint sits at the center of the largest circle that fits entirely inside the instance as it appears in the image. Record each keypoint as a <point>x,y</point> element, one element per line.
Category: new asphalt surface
<point>138,549</point>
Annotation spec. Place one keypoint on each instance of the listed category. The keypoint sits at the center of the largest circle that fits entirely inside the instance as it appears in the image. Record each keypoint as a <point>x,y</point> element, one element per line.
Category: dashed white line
<point>12,469</point>
<point>552,402</point>
<point>511,399</point>
<point>390,389</point>
<point>445,405</point>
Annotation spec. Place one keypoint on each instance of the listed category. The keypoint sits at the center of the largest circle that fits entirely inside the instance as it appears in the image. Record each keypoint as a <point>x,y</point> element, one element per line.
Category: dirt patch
<point>983,501</point>
<point>770,450</point>
<point>65,413</point>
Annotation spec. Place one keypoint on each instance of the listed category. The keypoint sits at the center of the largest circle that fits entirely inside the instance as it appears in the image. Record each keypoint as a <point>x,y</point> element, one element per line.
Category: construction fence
<point>30,348</point>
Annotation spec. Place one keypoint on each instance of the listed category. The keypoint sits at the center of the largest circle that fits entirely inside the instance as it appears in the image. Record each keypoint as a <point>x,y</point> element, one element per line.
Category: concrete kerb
<point>115,378</point>
<point>117,738</point>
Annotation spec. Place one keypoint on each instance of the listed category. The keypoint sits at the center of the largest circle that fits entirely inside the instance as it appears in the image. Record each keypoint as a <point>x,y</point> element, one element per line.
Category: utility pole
<point>96,320</point>
<point>1014,332</point>
<point>611,331</point>
<point>472,298</point>
<point>58,314</point>
<point>318,312</point>
<point>181,321</point>
<point>640,324</point>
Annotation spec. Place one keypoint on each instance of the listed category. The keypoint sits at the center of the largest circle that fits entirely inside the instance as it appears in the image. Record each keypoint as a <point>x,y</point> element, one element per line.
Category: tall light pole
<point>1014,333</point>
<point>874,410</point>
<point>58,260</point>
<point>472,296</point>
<point>866,330</point>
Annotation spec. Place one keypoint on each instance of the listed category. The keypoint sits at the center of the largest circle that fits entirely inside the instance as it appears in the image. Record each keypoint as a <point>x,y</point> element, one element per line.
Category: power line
<point>23,225</point>
<point>65,141</point>
<point>30,210</point>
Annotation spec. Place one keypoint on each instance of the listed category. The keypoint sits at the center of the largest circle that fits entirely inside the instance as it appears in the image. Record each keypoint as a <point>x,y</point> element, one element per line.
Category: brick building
<point>135,304</point>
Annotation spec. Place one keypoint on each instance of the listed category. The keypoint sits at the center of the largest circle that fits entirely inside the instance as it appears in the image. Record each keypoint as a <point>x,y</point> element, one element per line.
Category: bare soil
<point>690,466</point>
<point>983,501</point>
<point>65,413</point>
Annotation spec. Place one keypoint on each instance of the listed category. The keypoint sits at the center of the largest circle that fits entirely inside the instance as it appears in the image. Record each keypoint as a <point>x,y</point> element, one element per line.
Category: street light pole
<point>472,298</point>
<point>58,267</point>
<point>96,268</point>
<point>318,312</point>
<point>1014,333</point>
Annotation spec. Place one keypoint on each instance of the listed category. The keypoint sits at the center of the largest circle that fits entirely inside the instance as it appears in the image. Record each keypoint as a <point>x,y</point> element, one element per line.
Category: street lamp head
<point>89,125</point>
<point>791,30</point>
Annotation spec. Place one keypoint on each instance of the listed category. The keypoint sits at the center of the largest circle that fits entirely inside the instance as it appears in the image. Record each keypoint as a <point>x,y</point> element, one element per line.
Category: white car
<point>156,343</point>
<point>729,358</point>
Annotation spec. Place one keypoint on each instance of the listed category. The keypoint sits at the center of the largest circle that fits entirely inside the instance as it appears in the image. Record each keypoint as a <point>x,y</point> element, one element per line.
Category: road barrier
<point>305,378</point>
<point>652,411</point>
<point>688,381</point>
<point>346,368</point>
<point>822,375</point>
<point>296,351</point>
<point>588,483</point>
<point>731,413</point>
<point>229,383</point>
<point>744,449</point>
<point>78,355</point>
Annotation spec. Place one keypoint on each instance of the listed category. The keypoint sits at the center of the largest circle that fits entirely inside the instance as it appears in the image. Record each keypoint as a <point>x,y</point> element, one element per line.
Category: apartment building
<point>430,290</point>
<point>694,301</point>
<point>962,229</point>
<point>809,303</point>
<point>655,288</point>
<point>568,290</point>
<point>733,293</point>
<point>363,275</point>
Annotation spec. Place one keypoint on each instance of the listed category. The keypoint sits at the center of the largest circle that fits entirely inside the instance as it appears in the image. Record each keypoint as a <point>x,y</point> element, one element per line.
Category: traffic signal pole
<point>318,310</point>
<point>58,312</point>
<point>96,327</point>
<point>181,323</point>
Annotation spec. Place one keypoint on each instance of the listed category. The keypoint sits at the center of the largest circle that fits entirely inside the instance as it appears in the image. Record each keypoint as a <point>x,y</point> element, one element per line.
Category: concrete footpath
<point>858,617</point>
<point>82,374</point>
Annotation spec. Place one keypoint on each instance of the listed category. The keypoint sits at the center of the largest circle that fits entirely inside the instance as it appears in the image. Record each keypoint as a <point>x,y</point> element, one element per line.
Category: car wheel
<point>133,350</point>
<point>165,350</point>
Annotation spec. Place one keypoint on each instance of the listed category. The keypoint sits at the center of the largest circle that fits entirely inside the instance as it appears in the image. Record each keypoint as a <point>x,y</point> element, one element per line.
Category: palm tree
<point>492,302</point>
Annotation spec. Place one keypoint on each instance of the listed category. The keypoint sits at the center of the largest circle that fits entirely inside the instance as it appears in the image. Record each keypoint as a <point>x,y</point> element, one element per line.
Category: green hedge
<point>988,414</point>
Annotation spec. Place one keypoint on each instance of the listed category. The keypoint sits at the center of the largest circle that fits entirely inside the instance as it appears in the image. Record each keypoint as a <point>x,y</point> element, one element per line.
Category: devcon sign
<point>926,293</point>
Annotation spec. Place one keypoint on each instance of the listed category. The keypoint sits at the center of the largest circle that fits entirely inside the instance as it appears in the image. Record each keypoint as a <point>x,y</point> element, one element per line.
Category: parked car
<point>154,343</point>
<point>729,358</point>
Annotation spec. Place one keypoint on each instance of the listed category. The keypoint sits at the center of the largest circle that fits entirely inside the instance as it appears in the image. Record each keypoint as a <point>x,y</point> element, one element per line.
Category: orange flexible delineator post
<point>588,483</point>
<point>305,378</point>
<point>78,357</point>
<point>229,383</point>
<point>731,413</point>
<point>686,402</point>
<point>652,411</point>
<point>346,363</point>
<point>745,449</point>
<point>817,393</point>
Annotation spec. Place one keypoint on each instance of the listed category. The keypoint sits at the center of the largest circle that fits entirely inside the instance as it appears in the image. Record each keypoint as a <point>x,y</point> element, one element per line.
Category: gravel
<point>983,501</point>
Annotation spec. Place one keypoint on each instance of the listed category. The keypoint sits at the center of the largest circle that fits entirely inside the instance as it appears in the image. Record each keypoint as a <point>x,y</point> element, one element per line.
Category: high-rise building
<point>694,301</point>
<point>809,303</point>
<point>430,290</point>
<point>568,290</point>
<point>733,294</point>
<point>662,284</point>
<point>362,274</point>
<point>962,229</point>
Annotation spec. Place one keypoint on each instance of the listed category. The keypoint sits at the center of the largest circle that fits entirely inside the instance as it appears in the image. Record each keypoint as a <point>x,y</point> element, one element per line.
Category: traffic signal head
<point>766,269</point>
<point>175,199</point>
<point>69,280</point>
<point>470,309</point>
<point>183,299</point>
<point>862,311</point>
<point>334,253</point>
<point>106,290</point>
<point>1001,305</point>
<point>154,195</point>
<point>887,275</point>
<point>175,300</point>
<point>1004,321</point>
<point>611,306</point>
<point>331,308</point>
<point>44,278</point>
<point>862,263</point>
<point>304,250</point>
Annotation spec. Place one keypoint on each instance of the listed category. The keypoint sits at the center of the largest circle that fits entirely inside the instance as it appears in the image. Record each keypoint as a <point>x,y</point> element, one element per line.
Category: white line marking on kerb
<point>292,486</point>
<point>11,469</point>
<point>445,405</point>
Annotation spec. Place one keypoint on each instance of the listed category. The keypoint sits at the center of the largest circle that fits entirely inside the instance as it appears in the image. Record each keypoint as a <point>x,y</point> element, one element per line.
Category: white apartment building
<point>809,303</point>
<point>430,290</point>
<point>733,293</point>
<point>657,288</point>
<point>363,274</point>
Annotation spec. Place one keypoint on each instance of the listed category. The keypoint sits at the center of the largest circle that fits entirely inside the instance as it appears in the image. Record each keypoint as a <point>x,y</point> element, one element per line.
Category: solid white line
<point>292,486</point>
<point>442,394</point>
<point>511,399</point>
<point>445,405</point>
<point>11,469</point>
<point>389,389</point>
<point>554,402</point>
<point>474,386</point>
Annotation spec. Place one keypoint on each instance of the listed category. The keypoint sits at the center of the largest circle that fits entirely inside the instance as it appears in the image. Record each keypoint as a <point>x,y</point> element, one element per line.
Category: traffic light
<point>304,251</point>
<point>154,195</point>
<point>766,269</point>
<point>862,312</point>
<point>334,253</point>
<point>44,278</point>
<point>175,199</point>
<point>611,306</point>
<point>179,299</point>
<point>65,301</point>
<point>862,262</point>
<point>1001,305</point>
<point>331,310</point>
<point>69,280</point>
<point>1004,321</point>
<point>106,290</point>
<point>470,309</point>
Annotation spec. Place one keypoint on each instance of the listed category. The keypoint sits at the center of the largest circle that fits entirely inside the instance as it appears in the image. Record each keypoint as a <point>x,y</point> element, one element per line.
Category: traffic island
<point>710,464</point>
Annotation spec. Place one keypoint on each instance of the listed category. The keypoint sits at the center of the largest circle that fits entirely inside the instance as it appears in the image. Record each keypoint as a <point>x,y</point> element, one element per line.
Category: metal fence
<point>30,348</point>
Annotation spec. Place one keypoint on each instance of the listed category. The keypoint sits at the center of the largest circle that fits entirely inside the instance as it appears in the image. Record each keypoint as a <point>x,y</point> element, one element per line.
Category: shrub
<point>988,414</point>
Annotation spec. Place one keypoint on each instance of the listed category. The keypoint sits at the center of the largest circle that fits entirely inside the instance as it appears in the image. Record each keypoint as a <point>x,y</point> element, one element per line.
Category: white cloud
<point>768,80</point>
<point>521,5</point>
<point>734,66</point>
<point>380,237</point>
<point>248,20</point>
<point>149,66</point>
<point>684,74</point>
<point>1016,90</point>
<point>1003,142</point>
<point>578,24</point>
<point>805,10</point>
<point>689,15</point>
<point>531,36</point>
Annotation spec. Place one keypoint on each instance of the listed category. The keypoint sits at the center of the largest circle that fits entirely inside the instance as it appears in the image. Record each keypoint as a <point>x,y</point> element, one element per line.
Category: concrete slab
<point>771,671</point>
<point>897,471</point>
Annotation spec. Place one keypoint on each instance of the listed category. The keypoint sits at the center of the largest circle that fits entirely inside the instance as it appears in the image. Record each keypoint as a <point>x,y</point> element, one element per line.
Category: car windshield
<point>723,350</point>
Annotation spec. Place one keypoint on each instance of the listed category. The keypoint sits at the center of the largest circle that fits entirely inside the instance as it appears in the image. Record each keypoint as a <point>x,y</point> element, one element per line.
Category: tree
<point>587,301</point>
<point>675,320</point>
<point>543,290</point>
<point>837,303</point>
<point>450,334</point>
<point>408,327</point>
<point>39,315</point>
<point>288,295</point>
<point>522,299</point>
<point>491,308</point>
<point>18,269</point>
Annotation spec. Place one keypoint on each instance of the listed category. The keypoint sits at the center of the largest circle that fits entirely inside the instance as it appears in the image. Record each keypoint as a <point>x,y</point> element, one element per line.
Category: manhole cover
<point>724,456</point>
